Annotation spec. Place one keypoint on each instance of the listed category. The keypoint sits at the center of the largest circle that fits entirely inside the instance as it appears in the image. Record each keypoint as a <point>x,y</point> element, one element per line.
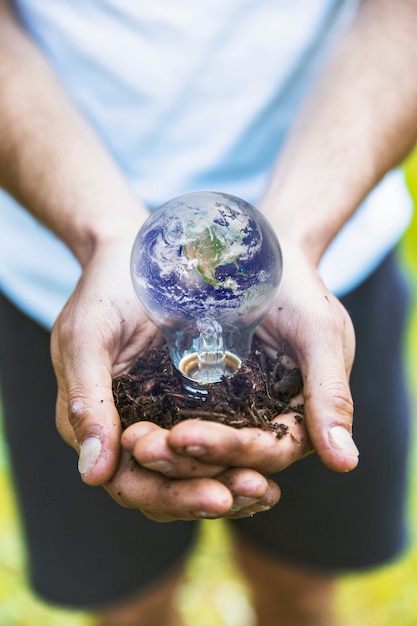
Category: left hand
<point>320,333</point>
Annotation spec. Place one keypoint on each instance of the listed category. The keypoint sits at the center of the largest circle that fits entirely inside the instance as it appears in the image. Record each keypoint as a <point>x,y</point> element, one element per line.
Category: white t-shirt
<point>187,95</point>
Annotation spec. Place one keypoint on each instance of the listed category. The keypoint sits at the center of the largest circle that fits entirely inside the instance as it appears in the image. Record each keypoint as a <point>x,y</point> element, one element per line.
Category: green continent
<point>210,250</point>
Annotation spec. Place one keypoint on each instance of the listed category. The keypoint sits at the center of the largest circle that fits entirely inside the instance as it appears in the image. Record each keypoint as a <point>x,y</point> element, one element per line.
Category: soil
<point>258,392</point>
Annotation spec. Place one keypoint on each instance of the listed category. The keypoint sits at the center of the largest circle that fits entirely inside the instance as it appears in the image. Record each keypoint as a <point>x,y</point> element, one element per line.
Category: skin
<point>341,132</point>
<point>102,327</point>
<point>359,121</point>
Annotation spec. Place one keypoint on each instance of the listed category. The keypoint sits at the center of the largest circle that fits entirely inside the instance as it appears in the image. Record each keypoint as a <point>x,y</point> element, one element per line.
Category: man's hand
<point>195,451</point>
<point>98,335</point>
<point>231,493</point>
<point>319,332</point>
<point>205,469</point>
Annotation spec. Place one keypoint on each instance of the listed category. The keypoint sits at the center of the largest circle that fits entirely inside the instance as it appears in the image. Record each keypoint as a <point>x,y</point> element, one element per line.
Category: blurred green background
<point>213,594</point>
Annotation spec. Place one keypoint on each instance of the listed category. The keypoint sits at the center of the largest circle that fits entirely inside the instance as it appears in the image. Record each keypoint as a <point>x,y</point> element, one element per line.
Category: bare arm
<point>359,121</point>
<point>314,328</point>
<point>50,159</point>
<point>52,162</point>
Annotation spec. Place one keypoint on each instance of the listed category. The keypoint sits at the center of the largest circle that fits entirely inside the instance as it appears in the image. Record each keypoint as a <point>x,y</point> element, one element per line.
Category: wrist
<point>308,221</point>
<point>102,230</point>
<point>298,235</point>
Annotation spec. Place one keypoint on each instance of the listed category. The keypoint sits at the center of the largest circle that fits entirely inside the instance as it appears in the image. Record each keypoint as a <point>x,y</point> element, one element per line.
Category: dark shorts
<point>84,550</point>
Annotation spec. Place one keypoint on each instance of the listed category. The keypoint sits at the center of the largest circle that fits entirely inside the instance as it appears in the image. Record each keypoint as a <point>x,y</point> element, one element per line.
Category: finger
<point>148,444</point>
<point>164,499</point>
<point>320,334</point>
<point>135,432</point>
<point>86,416</point>
<point>254,448</point>
<point>252,492</point>
<point>325,364</point>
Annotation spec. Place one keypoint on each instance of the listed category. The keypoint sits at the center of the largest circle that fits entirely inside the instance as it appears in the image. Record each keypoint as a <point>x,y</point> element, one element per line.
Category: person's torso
<point>185,95</point>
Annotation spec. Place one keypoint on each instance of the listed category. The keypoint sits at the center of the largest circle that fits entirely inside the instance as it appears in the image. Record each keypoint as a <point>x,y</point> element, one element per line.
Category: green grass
<point>214,594</point>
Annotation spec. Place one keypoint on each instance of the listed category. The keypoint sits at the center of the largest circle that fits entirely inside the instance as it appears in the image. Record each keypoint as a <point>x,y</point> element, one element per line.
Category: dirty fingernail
<point>194,450</point>
<point>89,453</point>
<point>164,467</point>
<point>206,514</point>
<point>342,441</point>
<point>260,508</point>
<point>242,502</point>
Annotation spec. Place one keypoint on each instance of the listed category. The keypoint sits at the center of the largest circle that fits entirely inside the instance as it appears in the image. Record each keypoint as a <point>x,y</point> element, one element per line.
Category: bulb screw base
<point>201,370</point>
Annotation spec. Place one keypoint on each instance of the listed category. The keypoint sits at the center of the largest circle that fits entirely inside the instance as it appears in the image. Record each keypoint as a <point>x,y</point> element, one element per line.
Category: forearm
<point>359,122</point>
<point>50,159</point>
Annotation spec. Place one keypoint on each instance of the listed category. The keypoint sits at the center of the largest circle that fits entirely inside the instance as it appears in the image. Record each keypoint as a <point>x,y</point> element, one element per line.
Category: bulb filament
<point>211,357</point>
<point>210,362</point>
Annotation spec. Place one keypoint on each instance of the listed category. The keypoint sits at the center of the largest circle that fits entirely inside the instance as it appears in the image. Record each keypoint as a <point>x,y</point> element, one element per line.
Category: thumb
<point>86,416</point>
<point>329,410</point>
<point>328,402</point>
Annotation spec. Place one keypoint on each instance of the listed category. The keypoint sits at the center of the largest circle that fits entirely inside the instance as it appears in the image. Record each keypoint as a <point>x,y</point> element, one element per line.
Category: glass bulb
<point>206,267</point>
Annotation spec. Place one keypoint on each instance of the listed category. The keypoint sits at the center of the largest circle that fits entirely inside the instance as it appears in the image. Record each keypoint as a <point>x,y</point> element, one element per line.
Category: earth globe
<point>206,267</point>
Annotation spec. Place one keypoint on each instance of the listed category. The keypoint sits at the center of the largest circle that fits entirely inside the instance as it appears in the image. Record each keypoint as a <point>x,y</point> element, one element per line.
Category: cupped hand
<point>231,493</point>
<point>196,448</point>
<point>202,469</point>
<point>99,335</point>
<point>319,331</point>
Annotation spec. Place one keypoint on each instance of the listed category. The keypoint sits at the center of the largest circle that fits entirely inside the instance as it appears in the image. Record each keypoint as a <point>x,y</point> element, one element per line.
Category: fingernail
<point>242,502</point>
<point>165,467</point>
<point>89,453</point>
<point>206,514</point>
<point>260,508</point>
<point>342,441</point>
<point>194,450</point>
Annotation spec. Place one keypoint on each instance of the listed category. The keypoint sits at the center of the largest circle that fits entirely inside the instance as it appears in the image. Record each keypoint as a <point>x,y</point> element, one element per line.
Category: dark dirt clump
<point>259,391</point>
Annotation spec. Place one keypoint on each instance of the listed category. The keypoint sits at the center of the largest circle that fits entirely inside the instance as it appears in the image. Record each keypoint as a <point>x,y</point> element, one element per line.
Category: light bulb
<point>206,266</point>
